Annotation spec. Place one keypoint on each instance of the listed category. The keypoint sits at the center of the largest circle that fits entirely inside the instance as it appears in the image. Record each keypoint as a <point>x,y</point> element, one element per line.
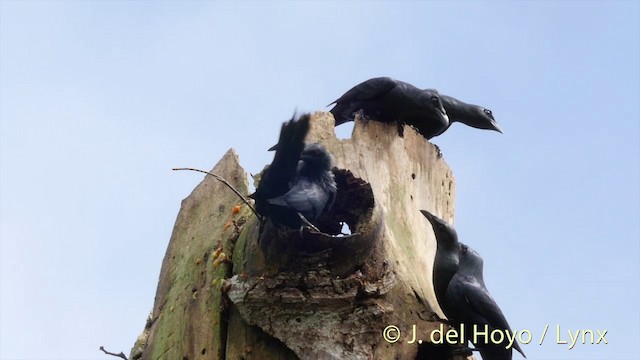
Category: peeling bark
<point>229,289</point>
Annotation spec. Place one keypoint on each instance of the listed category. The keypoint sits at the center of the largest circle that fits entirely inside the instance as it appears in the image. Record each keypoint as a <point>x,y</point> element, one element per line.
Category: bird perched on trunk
<point>470,303</point>
<point>387,100</point>
<point>446,260</point>
<point>298,181</point>
<point>473,115</point>
<point>314,188</point>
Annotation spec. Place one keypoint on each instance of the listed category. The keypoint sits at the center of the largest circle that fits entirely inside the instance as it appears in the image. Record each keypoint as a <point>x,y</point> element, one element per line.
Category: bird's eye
<point>434,99</point>
<point>487,111</point>
<point>464,250</point>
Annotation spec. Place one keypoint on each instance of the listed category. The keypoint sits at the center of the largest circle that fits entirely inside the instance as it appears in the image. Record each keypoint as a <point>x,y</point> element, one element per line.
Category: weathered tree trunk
<point>230,289</point>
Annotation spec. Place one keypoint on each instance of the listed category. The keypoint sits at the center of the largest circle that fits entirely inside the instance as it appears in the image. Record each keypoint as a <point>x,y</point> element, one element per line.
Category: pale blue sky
<point>100,99</point>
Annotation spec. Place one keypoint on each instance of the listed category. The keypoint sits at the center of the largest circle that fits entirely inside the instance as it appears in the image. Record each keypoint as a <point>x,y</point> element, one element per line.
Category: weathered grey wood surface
<point>226,292</point>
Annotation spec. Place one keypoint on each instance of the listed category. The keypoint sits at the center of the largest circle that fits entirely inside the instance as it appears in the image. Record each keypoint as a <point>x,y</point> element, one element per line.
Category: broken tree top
<point>340,292</point>
<point>284,281</point>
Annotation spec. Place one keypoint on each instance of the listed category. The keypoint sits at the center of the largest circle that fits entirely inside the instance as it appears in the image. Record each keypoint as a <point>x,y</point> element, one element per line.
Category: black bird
<point>446,260</point>
<point>387,100</point>
<point>314,187</point>
<point>276,179</point>
<point>473,115</point>
<point>470,303</point>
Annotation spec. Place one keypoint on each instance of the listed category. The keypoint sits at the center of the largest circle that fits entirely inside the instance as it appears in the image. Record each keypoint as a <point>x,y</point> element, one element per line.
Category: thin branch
<point>121,355</point>
<point>314,230</point>
<point>222,180</point>
<point>308,223</point>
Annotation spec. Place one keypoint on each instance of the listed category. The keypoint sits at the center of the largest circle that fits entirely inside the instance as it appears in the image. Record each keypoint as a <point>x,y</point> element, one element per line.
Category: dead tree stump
<point>229,291</point>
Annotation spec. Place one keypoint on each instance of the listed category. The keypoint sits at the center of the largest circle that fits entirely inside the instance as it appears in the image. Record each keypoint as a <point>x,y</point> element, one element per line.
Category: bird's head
<point>470,257</point>
<point>483,119</point>
<point>446,235</point>
<point>316,156</point>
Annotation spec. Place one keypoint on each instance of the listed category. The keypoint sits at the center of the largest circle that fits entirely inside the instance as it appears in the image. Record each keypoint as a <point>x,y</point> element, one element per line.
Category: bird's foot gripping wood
<point>400,129</point>
<point>362,116</point>
<point>438,151</point>
<point>462,351</point>
<point>433,317</point>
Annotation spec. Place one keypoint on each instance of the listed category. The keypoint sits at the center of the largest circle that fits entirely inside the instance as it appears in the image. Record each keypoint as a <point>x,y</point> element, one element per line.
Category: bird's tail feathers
<point>290,144</point>
<point>517,347</point>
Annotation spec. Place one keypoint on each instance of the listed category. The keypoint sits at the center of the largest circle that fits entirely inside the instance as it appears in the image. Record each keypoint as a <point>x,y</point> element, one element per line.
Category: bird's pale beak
<point>496,127</point>
<point>427,214</point>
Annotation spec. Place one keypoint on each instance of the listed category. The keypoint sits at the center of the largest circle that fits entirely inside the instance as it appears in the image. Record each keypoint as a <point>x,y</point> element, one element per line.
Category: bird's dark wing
<point>455,306</point>
<point>276,179</point>
<point>366,96</point>
<point>331,199</point>
<point>482,304</point>
<point>370,89</point>
<point>305,197</point>
<point>290,146</point>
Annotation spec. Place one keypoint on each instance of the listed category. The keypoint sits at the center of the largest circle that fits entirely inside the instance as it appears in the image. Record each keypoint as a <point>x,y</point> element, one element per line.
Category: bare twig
<point>308,223</point>
<point>222,180</point>
<point>340,236</point>
<point>314,230</point>
<point>121,355</point>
